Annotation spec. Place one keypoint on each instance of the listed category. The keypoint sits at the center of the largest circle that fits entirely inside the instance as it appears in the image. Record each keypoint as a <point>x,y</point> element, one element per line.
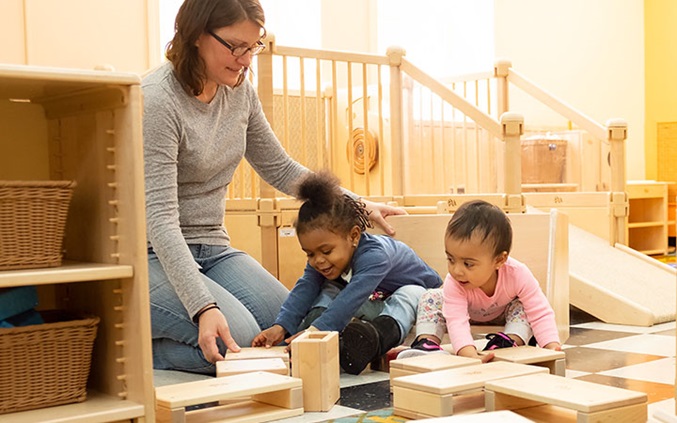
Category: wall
<point>661,74</point>
<point>79,33</point>
<point>588,53</point>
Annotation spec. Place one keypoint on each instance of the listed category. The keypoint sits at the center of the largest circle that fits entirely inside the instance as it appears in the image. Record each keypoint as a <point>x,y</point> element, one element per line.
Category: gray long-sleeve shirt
<point>191,151</point>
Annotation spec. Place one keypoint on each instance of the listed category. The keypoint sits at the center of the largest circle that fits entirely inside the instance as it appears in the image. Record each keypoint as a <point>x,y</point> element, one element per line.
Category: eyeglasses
<point>240,51</point>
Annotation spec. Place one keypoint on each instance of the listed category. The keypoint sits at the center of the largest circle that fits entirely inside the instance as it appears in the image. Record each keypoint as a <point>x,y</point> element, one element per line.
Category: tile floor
<point>637,358</point>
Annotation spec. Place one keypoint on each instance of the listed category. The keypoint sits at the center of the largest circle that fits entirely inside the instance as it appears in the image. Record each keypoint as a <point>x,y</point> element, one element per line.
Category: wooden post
<point>513,124</point>
<point>396,139</point>
<point>315,360</point>
<point>617,131</point>
<point>501,68</point>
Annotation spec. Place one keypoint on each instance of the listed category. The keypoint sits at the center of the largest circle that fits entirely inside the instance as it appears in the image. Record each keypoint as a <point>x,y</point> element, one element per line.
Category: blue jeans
<point>249,297</point>
<point>401,305</point>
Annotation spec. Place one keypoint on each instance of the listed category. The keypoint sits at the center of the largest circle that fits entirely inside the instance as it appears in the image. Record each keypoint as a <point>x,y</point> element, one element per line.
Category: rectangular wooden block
<point>251,397</point>
<point>236,367</point>
<point>315,360</point>
<point>433,393</point>
<point>555,361</point>
<point>428,363</point>
<point>591,401</point>
<point>254,353</point>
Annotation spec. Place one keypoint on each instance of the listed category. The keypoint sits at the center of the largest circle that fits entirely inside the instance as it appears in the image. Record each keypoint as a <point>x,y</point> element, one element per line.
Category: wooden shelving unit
<point>63,124</point>
<point>648,216</point>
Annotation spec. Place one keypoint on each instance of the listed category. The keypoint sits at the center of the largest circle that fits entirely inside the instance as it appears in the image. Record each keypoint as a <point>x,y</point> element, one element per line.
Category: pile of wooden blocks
<point>254,385</point>
<point>528,380</point>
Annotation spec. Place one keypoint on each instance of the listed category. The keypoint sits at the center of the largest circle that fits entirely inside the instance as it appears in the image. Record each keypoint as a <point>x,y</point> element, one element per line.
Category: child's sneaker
<point>422,347</point>
<point>498,340</point>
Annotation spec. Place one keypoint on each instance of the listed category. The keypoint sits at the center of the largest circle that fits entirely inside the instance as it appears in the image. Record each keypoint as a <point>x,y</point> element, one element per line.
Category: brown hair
<point>196,17</point>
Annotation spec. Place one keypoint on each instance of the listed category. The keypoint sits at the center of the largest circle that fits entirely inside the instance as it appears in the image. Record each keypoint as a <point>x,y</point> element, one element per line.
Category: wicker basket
<point>32,221</point>
<point>48,364</point>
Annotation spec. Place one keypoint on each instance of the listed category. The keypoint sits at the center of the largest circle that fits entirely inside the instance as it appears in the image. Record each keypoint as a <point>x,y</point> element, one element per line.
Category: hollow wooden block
<point>555,361</point>
<point>590,401</point>
<point>439,393</point>
<point>236,367</point>
<point>428,363</point>
<point>315,360</point>
<point>254,353</point>
<point>250,397</point>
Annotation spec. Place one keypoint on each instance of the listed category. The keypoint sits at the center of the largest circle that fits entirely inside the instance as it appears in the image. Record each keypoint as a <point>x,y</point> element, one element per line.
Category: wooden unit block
<point>236,367</point>
<point>427,363</point>
<point>592,402</point>
<point>250,397</point>
<point>438,393</point>
<point>254,353</point>
<point>555,361</point>
<point>315,360</point>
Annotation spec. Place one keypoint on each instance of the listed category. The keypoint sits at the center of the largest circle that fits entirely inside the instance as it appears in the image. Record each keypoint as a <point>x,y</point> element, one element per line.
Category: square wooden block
<point>555,361</point>
<point>315,360</point>
<point>438,393</point>
<point>236,367</point>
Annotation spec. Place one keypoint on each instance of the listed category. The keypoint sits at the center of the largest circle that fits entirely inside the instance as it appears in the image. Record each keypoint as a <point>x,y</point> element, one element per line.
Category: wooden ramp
<point>618,284</point>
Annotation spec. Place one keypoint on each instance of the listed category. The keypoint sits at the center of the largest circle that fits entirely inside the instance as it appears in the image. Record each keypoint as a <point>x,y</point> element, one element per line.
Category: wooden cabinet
<point>648,216</point>
<point>86,126</point>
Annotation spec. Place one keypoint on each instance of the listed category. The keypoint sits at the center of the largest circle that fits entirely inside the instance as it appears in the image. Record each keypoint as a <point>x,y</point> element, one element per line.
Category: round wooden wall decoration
<point>361,142</point>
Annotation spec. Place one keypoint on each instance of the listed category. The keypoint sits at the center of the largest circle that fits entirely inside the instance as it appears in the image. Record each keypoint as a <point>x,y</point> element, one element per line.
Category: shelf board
<point>98,408</point>
<point>69,271</point>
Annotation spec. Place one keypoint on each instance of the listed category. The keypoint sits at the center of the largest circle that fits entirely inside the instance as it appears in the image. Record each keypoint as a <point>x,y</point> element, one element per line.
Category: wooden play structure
<point>392,133</point>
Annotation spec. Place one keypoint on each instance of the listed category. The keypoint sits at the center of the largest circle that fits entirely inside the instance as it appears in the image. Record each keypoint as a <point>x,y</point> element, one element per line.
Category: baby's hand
<point>269,337</point>
<point>554,346</point>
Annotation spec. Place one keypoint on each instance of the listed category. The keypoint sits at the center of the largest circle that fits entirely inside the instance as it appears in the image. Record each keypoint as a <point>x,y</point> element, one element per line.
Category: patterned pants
<point>430,321</point>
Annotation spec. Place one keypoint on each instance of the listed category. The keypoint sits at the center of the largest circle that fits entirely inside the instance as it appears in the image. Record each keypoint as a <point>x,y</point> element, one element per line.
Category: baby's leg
<point>516,324</point>
<point>429,320</point>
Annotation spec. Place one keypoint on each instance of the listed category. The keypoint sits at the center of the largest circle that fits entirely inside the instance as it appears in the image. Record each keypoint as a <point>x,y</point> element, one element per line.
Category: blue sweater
<point>379,263</point>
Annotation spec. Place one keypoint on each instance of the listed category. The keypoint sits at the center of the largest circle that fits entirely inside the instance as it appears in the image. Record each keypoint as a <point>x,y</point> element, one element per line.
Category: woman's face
<point>221,67</point>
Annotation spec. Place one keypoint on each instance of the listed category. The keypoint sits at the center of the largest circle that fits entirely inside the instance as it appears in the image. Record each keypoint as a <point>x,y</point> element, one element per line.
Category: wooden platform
<point>446,392</point>
<point>250,397</point>
<point>590,401</point>
<point>555,361</point>
<point>502,416</point>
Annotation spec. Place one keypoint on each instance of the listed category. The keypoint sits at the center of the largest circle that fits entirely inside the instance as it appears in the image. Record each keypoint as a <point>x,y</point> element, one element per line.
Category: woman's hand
<point>378,213</point>
<point>269,337</point>
<point>212,325</point>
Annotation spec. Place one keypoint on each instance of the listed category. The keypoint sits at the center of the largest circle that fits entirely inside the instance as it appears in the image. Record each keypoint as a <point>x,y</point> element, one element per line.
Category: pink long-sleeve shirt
<point>463,303</point>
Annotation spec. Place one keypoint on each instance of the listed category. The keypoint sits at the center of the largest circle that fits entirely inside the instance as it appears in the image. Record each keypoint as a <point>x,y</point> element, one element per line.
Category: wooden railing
<point>390,130</point>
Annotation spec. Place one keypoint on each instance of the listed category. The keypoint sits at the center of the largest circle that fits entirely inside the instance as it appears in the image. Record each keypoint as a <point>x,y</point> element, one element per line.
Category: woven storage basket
<point>48,364</point>
<point>32,221</point>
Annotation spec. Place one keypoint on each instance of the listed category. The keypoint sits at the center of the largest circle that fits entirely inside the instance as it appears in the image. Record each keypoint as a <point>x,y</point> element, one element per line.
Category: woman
<point>201,117</point>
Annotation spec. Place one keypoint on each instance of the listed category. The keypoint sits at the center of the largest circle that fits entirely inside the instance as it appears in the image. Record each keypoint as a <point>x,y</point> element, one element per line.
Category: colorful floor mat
<point>377,416</point>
